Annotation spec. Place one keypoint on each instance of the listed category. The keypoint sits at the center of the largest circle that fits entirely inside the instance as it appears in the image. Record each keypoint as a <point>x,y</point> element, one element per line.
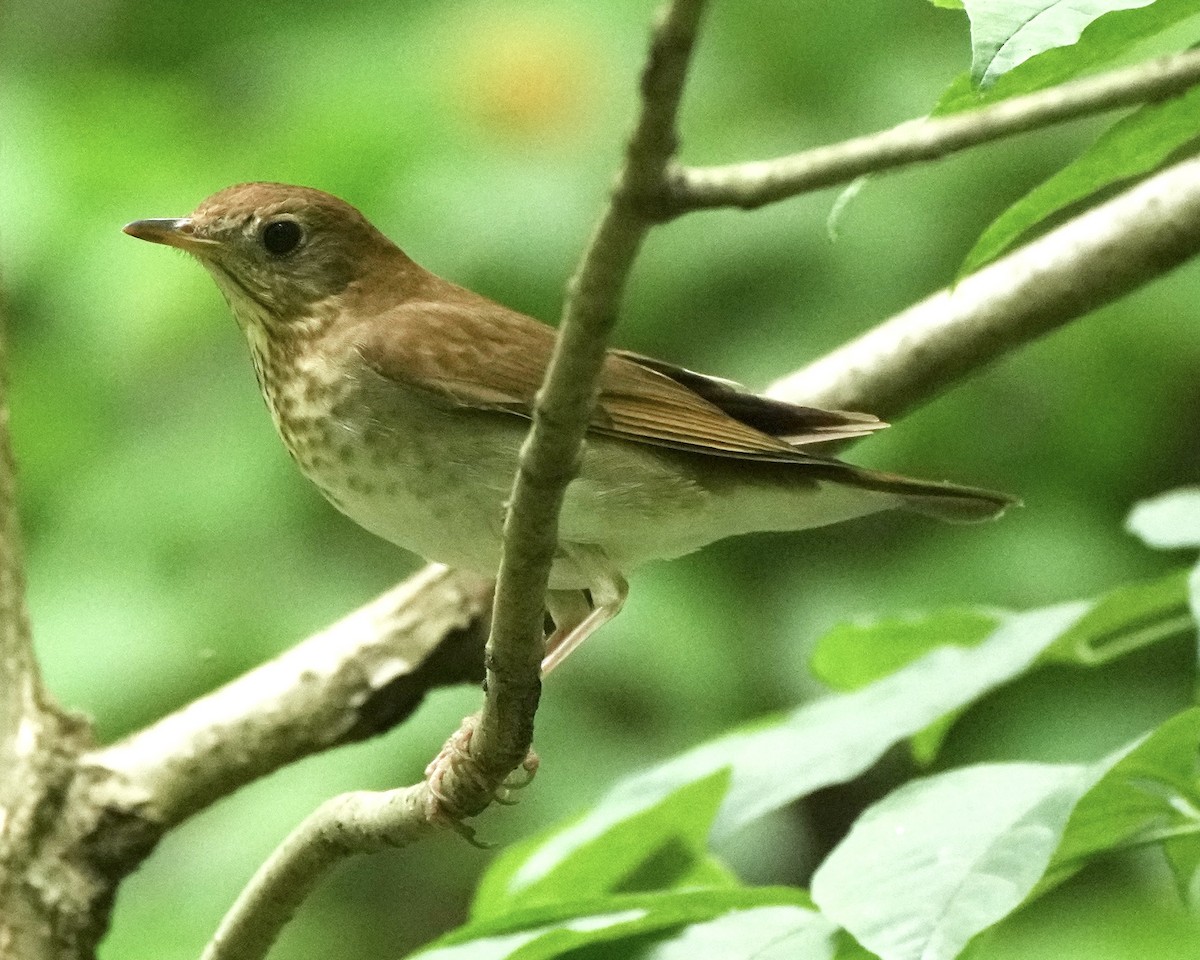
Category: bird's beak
<point>180,232</point>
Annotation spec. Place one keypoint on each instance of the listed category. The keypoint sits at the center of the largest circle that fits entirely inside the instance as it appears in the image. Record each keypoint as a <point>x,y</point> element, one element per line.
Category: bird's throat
<point>304,383</point>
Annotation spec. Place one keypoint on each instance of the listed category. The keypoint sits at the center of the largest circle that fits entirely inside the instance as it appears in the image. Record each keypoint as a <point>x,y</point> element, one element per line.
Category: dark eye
<point>281,237</point>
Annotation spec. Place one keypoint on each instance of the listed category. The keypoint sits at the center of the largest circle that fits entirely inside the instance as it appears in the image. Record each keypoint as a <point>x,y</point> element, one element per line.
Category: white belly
<point>435,479</point>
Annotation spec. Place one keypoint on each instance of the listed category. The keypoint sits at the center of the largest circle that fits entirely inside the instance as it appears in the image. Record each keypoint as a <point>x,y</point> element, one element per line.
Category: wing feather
<point>479,354</point>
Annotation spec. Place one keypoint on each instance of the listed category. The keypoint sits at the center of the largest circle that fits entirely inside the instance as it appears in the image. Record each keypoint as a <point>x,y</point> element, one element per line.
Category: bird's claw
<point>455,759</point>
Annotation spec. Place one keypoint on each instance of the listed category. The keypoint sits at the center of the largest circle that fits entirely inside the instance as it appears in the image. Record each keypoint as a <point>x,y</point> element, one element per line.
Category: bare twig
<point>1093,259</point>
<point>755,183</point>
<point>550,456</point>
<point>351,823</point>
<point>483,753</point>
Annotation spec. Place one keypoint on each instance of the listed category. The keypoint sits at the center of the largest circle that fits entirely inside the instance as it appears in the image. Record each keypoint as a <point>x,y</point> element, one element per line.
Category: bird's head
<point>276,251</point>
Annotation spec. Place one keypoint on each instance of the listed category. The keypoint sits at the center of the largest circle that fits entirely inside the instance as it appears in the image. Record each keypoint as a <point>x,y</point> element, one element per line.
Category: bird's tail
<point>943,501</point>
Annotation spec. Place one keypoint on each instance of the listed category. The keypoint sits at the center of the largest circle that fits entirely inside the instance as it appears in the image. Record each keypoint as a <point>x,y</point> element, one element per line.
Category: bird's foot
<point>519,779</point>
<point>455,765</point>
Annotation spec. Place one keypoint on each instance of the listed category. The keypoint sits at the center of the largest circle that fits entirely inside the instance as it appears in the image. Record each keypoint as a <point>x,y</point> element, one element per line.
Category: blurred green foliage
<point>171,544</point>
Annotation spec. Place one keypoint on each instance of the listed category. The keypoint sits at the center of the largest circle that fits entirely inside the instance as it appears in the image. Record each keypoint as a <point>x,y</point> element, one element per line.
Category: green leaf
<point>1105,40</point>
<point>1136,145</point>
<point>948,4</point>
<point>941,859</point>
<point>1006,33</point>
<point>937,861</point>
<point>852,655</point>
<point>774,763</point>
<point>550,931</point>
<point>1183,856</point>
<point>660,846</point>
<point>1128,618</point>
<point>1169,521</point>
<point>767,933</point>
<point>1151,795</point>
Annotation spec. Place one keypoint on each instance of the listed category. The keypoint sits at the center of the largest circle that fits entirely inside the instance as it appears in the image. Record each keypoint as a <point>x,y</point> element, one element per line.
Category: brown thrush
<point>405,399</point>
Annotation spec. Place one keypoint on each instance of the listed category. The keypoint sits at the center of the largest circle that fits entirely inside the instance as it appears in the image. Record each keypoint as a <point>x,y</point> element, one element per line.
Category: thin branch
<point>352,823</point>
<point>550,456</point>
<point>352,680</point>
<point>755,183</point>
<point>1091,260</point>
<point>472,768</point>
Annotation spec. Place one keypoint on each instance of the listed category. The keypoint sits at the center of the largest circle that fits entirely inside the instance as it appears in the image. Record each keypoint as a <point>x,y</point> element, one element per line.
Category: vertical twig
<point>38,741</point>
<point>487,751</point>
<point>22,699</point>
<point>550,455</point>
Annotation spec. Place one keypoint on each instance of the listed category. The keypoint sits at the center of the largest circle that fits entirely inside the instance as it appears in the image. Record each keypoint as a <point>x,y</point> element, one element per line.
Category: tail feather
<point>960,504</point>
<point>942,501</point>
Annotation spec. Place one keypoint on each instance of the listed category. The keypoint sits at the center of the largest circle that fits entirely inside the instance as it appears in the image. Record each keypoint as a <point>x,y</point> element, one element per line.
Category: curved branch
<point>755,183</point>
<point>359,822</point>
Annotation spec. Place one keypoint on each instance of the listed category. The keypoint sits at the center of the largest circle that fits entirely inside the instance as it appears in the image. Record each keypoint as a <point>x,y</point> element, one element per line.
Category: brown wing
<point>479,354</point>
<point>797,425</point>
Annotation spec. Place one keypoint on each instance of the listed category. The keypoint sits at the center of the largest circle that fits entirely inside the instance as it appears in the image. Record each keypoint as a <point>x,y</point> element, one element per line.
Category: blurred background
<point>172,545</point>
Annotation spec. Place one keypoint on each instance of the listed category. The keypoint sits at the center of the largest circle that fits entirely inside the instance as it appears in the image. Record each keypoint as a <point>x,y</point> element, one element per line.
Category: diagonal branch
<point>758,182</point>
<point>361,676</point>
<point>1092,260</point>
<point>550,456</point>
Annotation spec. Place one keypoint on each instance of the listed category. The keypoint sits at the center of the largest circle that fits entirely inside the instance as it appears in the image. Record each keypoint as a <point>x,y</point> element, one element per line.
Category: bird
<point>405,399</point>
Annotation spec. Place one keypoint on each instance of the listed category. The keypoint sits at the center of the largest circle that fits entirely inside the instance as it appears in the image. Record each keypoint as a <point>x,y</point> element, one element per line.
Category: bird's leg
<point>575,619</point>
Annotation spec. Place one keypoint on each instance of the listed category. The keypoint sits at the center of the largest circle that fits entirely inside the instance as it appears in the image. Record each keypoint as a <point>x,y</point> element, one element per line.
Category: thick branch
<point>1092,260</point>
<point>359,677</point>
<point>759,182</point>
<point>38,746</point>
<point>101,812</point>
<point>23,702</point>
